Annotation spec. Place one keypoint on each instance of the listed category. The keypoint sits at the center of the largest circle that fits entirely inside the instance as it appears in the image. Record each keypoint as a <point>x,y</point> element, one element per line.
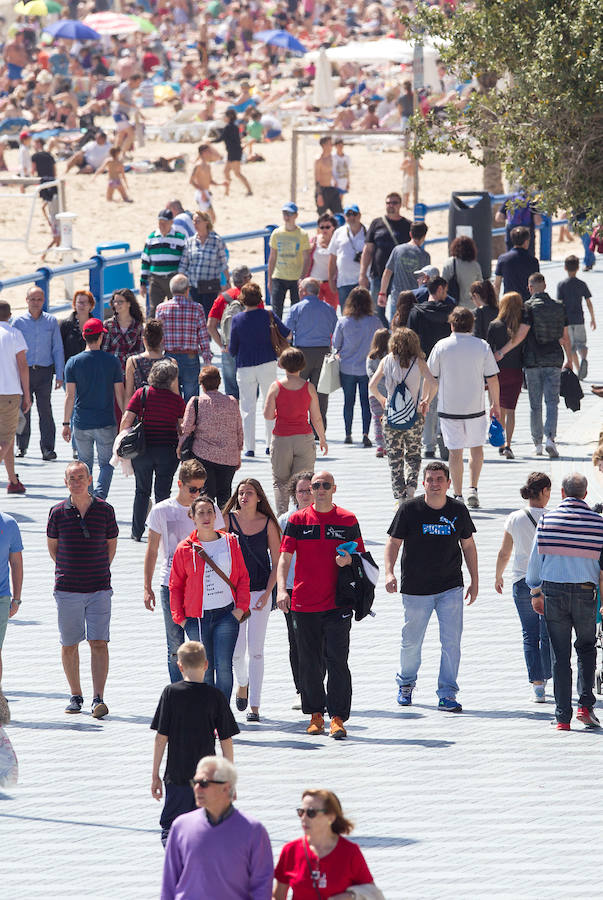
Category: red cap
<point>24,134</point>
<point>93,326</point>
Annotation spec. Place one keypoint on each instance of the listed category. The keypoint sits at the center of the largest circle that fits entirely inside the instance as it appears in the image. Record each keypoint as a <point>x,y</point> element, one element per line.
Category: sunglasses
<point>392,203</point>
<point>352,214</point>
<point>203,782</point>
<point>117,302</point>
<point>324,227</point>
<point>194,490</point>
<point>310,813</point>
<point>327,485</point>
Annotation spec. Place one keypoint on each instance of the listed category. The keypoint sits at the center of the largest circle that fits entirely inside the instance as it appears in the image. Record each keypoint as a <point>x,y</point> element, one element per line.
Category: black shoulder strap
<point>531,518</point>
<point>143,400</point>
<point>196,409</point>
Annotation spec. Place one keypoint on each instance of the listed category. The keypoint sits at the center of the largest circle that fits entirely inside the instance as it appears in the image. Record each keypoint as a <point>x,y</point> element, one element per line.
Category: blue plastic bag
<point>496,433</point>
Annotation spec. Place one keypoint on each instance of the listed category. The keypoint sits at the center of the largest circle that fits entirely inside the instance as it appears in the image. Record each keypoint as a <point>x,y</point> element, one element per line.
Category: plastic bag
<point>9,767</point>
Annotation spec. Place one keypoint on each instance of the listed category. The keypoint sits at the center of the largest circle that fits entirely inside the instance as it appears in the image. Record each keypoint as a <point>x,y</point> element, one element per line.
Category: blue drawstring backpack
<point>401,411</point>
<point>496,433</point>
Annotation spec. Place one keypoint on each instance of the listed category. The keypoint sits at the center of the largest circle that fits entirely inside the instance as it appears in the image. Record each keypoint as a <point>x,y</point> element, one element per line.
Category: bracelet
<point>14,600</point>
<point>381,294</point>
<point>66,423</point>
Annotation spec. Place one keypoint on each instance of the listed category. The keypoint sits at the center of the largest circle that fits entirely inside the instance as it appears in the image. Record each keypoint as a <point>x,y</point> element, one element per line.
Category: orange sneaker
<point>337,730</point>
<point>317,724</point>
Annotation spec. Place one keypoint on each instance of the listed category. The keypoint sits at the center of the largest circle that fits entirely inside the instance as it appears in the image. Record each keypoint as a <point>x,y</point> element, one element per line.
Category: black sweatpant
<point>323,640</point>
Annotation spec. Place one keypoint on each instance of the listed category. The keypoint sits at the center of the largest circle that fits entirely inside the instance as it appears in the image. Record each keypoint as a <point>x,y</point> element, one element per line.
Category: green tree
<point>538,108</point>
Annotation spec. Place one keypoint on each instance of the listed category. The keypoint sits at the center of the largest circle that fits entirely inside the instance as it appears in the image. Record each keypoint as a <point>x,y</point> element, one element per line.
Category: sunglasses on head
<point>310,813</point>
<point>204,782</point>
<point>327,485</point>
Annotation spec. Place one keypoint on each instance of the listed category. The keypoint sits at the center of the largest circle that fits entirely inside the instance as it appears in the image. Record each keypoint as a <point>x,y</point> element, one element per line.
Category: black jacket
<point>430,321</point>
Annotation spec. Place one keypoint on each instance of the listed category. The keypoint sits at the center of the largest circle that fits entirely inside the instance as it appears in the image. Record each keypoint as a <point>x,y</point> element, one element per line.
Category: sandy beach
<point>374,172</point>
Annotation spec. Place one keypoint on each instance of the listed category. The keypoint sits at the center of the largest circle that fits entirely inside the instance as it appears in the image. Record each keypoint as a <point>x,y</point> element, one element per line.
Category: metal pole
<point>293,190</point>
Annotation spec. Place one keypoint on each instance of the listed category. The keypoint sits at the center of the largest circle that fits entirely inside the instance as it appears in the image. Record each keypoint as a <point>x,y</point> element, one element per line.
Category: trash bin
<point>470,214</point>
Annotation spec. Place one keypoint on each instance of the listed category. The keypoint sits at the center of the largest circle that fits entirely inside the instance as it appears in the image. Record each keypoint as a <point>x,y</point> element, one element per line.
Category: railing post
<point>546,238</point>
<point>44,283</point>
<point>97,285</point>
<point>269,229</point>
<point>420,212</point>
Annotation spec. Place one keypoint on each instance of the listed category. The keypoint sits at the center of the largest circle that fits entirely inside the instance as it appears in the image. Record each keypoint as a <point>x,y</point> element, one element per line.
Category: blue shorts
<point>5,602</point>
<point>14,72</point>
<point>83,616</point>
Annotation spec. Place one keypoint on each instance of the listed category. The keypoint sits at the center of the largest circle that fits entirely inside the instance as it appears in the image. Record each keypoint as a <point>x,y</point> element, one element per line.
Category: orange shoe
<point>317,724</point>
<point>337,730</point>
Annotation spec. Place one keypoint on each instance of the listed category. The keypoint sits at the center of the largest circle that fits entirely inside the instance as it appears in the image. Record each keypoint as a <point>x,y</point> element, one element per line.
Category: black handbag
<point>453,283</point>
<point>134,443</point>
<point>186,447</point>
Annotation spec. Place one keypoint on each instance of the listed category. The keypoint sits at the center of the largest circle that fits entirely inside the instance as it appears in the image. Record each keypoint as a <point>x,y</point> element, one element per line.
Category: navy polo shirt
<point>82,564</point>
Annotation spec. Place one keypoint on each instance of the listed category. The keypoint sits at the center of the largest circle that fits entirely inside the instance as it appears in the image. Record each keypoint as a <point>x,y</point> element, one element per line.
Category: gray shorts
<point>577,336</point>
<point>83,616</point>
<point>5,602</point>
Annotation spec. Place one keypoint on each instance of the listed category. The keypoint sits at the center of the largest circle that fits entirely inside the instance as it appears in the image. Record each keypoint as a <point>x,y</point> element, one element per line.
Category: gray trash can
<point>470,214</point>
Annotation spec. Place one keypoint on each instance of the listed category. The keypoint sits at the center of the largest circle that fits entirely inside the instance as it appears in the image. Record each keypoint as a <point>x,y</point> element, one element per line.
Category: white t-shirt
<point>216,592</point>
<point>460,363</point>
<point>95,154</point>
<point>320,263</point>
<point>341,171</point>
<point>171,521</point>
<point>345,246</point>
<point>24,161</point>
<point>11,343</point>
<point>522,530</point>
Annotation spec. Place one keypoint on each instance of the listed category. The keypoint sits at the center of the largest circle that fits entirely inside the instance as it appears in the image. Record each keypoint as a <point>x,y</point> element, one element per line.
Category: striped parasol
<point>111,23</point>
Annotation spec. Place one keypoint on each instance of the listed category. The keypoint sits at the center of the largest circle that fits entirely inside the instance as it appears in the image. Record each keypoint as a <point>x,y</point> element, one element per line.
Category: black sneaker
<point>429,454</point>
<point>348,439</point>
<point>75,704</point>
<point>99,708</point>
<point>48,455</point>
<point>366,441</point>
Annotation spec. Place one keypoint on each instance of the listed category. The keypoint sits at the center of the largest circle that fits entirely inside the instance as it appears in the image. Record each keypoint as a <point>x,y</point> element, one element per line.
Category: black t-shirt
<point>431,554</point>
<point>498,336</point>
<point>188,713</point>
<point>44,163</point>
<point>378,235</point>
<point>515,267</point>
<point>573,291</point>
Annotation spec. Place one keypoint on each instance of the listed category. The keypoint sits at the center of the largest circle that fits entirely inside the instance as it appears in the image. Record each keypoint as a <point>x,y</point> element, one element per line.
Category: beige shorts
<point>203,205</point>
<point>10,404</point>
<point>460,434</point>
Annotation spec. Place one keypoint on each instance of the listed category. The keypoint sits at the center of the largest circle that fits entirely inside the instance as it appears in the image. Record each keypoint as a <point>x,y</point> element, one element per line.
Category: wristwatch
<point>14,600</point>
<point>66,423</point>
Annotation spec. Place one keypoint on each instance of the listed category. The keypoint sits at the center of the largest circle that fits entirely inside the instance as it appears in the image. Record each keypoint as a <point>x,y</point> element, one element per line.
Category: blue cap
<point>289,207</point>
<point>352,207</point>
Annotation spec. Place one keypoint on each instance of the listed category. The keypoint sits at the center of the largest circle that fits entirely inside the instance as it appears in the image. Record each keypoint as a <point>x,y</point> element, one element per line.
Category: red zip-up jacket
<point>186,578</point>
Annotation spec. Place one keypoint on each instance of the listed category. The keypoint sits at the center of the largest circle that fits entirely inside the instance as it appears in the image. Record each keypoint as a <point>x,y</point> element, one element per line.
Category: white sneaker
<point>472,498</point>
<point>538,449</point>
<point>539,693</point>
<point>551,449</point>
<point>297,702</point>
<point>459,497</point>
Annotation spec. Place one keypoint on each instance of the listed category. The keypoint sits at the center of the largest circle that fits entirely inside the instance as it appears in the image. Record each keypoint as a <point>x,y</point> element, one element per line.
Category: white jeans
<point>252,635</point>
<point>249,378</point>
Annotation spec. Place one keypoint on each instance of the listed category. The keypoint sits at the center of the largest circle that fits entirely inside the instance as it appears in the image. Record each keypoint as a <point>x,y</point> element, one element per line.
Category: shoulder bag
<point>134,443</point>
<point>209,562</point>
<point>314,877</point>
<point>390,231</point>
<point>453,283</point>
<point>401,409</point>
<point>329,379</point>
<point>279,343</point>
<point>186,447</point>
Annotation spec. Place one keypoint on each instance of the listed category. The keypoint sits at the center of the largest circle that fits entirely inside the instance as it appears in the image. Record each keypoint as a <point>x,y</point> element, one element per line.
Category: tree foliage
<point>539,104</point>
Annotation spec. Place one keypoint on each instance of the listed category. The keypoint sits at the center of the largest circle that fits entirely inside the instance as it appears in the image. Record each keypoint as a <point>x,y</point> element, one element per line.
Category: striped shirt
<point>161,254</point>
<point>82,563</point>
<point>572,529</point>
<point>162,410</point>
<point>184,326</point>
<point>203,260</point>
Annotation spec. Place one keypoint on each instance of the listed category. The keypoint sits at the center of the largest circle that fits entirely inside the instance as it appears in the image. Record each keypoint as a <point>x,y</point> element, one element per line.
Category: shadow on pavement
<point>374,841</point>
<point>384,714</point>
<point>397,742</point>
<point>292,745</point>
<point>15,621</point>
<point>57,726</point>
<point>75,822</point>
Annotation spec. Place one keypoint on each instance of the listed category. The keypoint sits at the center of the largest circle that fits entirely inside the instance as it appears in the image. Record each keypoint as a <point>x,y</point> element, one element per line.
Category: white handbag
<point>329,379</point>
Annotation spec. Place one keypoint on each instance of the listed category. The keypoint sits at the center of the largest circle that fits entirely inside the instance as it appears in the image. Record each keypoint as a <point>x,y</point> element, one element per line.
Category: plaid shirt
<point>184,326</point>
<point>203,262</point>
<point>123,344</point>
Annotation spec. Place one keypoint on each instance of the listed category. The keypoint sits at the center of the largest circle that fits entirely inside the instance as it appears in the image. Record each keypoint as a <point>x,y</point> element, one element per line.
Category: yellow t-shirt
<point>290,247</point>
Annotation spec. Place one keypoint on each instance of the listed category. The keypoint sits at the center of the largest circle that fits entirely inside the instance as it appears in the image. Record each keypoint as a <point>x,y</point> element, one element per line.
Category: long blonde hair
<point>405,346</point>
<point>510,311</point>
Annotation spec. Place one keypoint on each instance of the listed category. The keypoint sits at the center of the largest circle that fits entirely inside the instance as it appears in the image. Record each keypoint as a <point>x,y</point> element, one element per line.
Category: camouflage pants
<point>404,454</point>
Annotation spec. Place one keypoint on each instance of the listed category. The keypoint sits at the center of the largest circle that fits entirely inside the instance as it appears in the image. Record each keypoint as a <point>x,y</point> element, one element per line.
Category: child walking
<point>376,353</point>
<point>573,291</point>
<point>187,718</point>
<point>114,168</point>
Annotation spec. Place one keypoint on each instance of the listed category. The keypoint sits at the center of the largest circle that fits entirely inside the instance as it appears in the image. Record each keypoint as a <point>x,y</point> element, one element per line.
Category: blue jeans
<point>543,382</point>
<point>342,293</point>
<point>160,461</point>
<point>85,439</point>
<point>349,383</point>
<point>375,287</point>
<point>568,606</point>
<point>188,374</point>
<point>418,608</point>
<point>174,634</point>
<point>536,648</point>
<point>218,633</point>
<point>589,256</point>
<point>229,375</point>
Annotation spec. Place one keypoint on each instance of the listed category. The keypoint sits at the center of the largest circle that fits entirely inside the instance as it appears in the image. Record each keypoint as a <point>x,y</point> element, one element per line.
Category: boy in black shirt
<point>434,529</point>
<point>188,714</point>
<point>573,291</point>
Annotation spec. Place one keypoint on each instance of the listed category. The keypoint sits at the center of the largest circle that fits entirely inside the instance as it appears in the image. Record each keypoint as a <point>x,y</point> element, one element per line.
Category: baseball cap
<point>93,326</point>
<point>352,207</point>
<point>430,271</point>
<point>166,214</point>
<point>240,274</point>
<point>289,207</point>
<point>24,134</point>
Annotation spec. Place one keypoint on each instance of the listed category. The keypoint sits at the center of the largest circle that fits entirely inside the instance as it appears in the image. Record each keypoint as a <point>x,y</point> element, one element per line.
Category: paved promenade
<point>493,802</point>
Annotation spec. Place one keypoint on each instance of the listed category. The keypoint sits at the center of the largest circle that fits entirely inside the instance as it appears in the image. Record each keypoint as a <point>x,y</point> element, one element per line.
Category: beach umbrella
<point>281,39</point>
<point>214,8</point>
<point>144,25</point>
<point>324,90</point>
<point>36,8</point>
<point>111,23</point>
<point>51,5</point>
<point>73,30</point>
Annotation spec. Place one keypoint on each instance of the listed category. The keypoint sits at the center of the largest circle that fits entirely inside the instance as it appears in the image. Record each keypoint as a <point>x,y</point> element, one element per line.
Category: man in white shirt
<point>461,362</point>
<point>92,155</point>
<point>169,523</point>
<point>345,252</point>
<point>14,393</point>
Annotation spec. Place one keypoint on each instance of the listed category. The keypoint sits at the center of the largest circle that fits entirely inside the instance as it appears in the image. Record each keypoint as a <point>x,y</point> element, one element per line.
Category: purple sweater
<point>232,860</point>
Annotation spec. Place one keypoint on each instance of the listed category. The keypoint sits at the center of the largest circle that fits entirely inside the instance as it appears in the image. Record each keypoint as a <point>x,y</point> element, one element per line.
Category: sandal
<point>242,701</point>
<point>253,717</point>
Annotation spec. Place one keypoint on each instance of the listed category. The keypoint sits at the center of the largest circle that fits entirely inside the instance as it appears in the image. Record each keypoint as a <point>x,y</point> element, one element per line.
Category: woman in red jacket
<point>204,602</point>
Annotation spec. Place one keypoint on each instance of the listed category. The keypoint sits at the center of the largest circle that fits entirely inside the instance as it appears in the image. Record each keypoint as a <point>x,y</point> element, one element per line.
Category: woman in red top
<point>201,601</point>
<point>321,863</point>
<point>162,416</point>
<point>289,402</point>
